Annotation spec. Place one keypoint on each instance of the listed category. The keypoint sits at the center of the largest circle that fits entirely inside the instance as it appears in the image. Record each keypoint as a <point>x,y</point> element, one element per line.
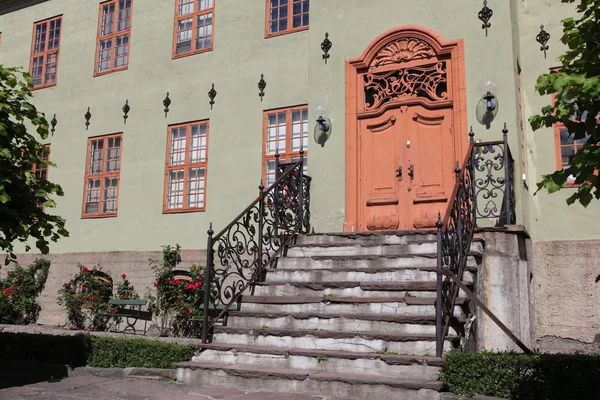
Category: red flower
<point>15,288</point>
<point>177,282</point>
<point>198,278</point>
<point>124,296</point>
<point>85,269</point>
<point>112,309</point>
<point>170,281</point>
<point>190,286</point>
<point>7,292</point>
<point>155,284</point>
<point>91,308</point>
<point>187,309</point>
<point>91,298</point>
<point>65,284</point>
<point>198,284</point>
<point>124,276</point>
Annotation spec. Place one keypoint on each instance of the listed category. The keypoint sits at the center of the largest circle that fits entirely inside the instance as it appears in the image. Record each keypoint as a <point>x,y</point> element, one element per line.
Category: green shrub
<point>19,291</point>
<point>92,351</point>
<point>521,376</point>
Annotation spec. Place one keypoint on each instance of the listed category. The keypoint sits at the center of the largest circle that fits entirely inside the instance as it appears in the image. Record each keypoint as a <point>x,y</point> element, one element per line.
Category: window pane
<point>50,73</point>
<point>121,51</point>
<point>204,31</point>
<point>107,19</point>
<point>184,36</point>
<point>104,53</point>
<point>175,189</point>
<point>36,70</point>
<point>54,34</point>
<point>196,180</point>
<point>40,37</point>
<point>92,197</point>
<point>95,161</point>
<point>198,143</point>
<point>124,17</point>
<point>204,4</point>
<point>109,199</point>
<point>112,154</point>
<point>177,149</point>
<point>270,173</point>
<point>185,7</point>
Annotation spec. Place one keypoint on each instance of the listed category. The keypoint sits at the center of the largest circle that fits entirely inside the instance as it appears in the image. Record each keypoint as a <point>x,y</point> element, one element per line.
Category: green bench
<point>131,310</point>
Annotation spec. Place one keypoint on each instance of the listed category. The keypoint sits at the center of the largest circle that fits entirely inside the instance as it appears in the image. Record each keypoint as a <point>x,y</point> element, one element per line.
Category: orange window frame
<point>277,9</point>
<point>97,164</point>
<point>119,16</point>
<point>42,173</point>
<point>183,157</point>
<point>272,145</point>
<point>43,62</point>
<point>205,14</point>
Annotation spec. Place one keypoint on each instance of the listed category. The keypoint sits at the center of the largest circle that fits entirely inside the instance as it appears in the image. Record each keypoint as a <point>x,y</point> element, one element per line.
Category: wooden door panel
<point>378,182</point>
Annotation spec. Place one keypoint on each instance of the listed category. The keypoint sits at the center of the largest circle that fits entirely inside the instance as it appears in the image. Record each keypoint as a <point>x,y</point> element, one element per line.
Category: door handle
<point>399,173</point>
<point>411,171</point>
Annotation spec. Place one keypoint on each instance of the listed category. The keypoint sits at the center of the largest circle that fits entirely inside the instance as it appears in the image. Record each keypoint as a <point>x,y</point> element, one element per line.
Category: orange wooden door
<point>382,189</point>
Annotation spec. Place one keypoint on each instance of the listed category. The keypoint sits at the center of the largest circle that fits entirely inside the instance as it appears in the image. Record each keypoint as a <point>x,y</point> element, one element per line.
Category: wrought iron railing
<point>239,255</point>
<point>484,189</point>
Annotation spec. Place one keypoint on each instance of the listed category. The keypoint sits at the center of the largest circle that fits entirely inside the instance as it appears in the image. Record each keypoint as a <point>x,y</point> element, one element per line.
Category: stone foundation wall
<point>566,295</point>
<point>133,263</point>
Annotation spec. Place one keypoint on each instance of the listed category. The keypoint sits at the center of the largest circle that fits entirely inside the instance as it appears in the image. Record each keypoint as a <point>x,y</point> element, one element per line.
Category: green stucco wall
<point>295,74</point>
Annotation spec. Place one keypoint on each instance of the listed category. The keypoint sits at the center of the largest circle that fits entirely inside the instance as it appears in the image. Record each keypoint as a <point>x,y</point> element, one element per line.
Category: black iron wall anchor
<point>326,46</point>
<point>126,110</point>
<point>542,38</point>
<point>212,93</point>
<point>88,116</point>
<point>262,84</point>
<point>485,15</point>
<point>53,123</point>
<point>166,104</point>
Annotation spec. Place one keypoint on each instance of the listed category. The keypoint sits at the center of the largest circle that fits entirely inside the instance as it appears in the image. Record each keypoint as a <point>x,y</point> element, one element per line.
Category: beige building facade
<point>155,197</point>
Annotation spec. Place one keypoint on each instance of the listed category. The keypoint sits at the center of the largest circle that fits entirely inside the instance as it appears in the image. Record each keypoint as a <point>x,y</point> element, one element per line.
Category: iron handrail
<point>255,238</point>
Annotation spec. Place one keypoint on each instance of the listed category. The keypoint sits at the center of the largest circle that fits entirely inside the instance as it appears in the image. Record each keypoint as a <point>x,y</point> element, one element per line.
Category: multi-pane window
<point>284,16</point>
<point>193,26</point>
<point>114,32</point>
<point>566,145</point>
<point>102,172</point>
<point>187,155</point>
<point>44,52</point>
<point>286,133</point>
<point>41,171</point>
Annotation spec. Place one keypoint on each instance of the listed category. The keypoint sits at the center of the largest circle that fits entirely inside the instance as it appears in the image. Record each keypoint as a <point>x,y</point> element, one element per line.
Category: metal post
<point>261,222</point>
<point>301,192</point>
<point>439,339</point>
<point>507,183</point>
<point>207,281</point>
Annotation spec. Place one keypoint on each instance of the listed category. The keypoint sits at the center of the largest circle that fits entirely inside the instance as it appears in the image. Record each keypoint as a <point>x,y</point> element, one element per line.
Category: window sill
<point>176,56</point>
<point>286,32</point>
<point>43,86</point>
<point>183,210</point>
<point>96,216</point>
<point>111,71</point>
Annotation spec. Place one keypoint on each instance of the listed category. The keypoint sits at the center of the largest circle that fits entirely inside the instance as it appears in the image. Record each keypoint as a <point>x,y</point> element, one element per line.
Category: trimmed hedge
<point>521,376</point>
<point>92,351</point>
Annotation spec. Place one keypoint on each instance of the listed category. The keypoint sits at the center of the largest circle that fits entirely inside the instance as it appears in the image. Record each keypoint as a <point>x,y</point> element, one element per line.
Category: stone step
<point>422,306</point>
<point>349,274</point>
<point>382,363</point>
<point>398,237</point>
<point>414,344</point>
<point>402,324</point>
<point>346,249</point>
<point>354,386</point>
<point>390,262</point>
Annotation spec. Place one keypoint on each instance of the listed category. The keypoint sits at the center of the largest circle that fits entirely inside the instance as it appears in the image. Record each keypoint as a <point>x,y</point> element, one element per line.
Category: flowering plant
<point>19,291</point>
<point>125,290</point>
<point>85,296</point>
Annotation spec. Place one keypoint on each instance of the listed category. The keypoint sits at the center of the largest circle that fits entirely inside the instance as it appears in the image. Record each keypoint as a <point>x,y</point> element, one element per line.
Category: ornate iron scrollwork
<point>53,123</point>
<point>326,46</point>
<point>240,253</point>
<point>166,104</point>
<point>429,82</point>
<point>485,15</point>
<point>212,93</point>
<point>87,116</point>
<point>542,38</point>
<point>126,110</point>
<point>262,84</point>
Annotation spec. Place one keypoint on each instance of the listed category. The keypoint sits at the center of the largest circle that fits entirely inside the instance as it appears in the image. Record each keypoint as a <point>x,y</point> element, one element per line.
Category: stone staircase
<point>346,315</point>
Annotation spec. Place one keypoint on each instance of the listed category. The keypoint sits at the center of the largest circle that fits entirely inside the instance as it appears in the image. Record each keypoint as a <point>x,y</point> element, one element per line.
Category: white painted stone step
<point>354,386</point>
<point>366,237</point>
<point>381,364</point>
<point>343,249</point>
<point>329,340</point>
<point>409,261</point>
